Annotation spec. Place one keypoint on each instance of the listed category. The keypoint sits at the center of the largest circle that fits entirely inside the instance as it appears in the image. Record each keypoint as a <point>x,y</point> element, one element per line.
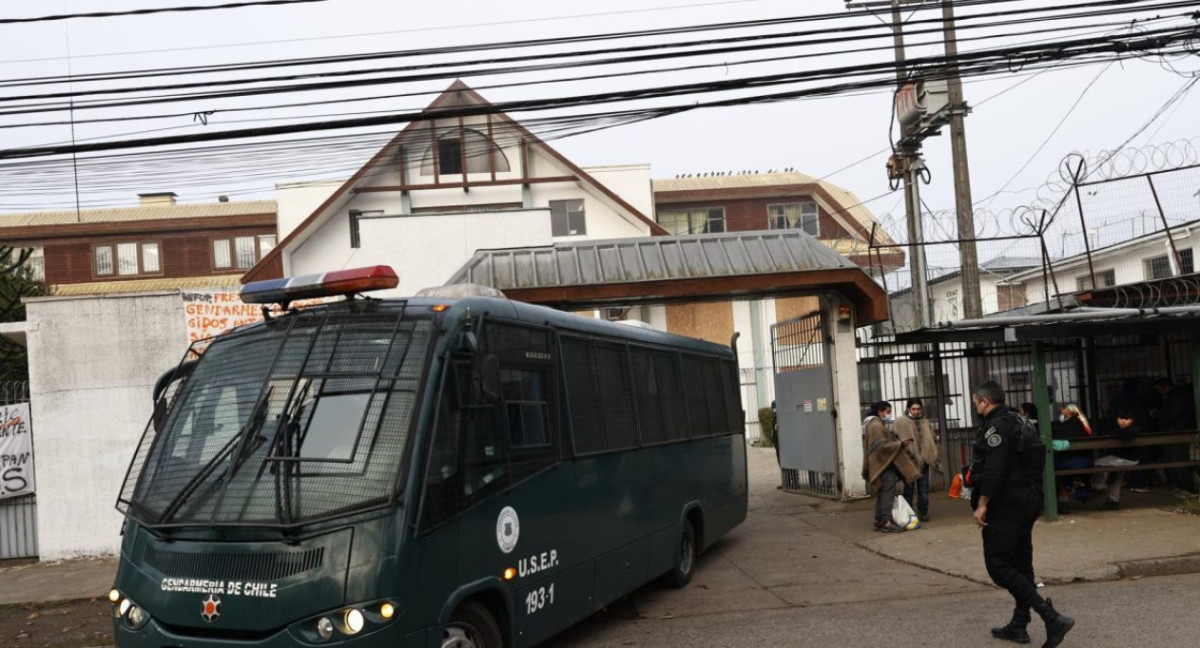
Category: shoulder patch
<point>993,438</point>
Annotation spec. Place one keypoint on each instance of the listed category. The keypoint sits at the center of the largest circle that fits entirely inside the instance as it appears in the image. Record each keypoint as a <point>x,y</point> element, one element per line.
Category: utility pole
<point>909,165</point>
<point>972,302</point>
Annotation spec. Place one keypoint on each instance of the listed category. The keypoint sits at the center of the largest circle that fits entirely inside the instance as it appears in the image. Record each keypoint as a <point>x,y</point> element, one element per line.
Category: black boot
<point>1015,630</point>
<point>1057,625</point>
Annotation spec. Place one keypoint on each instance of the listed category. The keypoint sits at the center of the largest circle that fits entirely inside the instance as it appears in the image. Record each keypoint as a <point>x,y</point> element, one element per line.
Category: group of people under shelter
<point>904,449</point>
<point>1139,407</point>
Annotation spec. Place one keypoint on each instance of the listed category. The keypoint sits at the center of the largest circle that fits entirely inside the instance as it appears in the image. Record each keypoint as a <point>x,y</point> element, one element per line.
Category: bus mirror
<point>485,379</point>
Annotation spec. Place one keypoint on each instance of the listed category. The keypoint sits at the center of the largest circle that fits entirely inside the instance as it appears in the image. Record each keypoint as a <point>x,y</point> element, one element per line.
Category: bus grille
<point>252,567</point>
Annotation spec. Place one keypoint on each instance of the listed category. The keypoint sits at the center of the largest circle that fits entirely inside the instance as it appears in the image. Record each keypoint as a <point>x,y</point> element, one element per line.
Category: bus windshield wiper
<point>237,444</point>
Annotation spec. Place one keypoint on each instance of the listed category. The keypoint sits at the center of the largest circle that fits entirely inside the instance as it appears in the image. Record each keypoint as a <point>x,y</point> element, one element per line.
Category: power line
<point>157,10</point>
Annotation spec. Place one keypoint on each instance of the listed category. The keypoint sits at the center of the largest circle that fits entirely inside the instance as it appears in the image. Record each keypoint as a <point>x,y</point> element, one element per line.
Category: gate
<point>18,515</point>
<point>808,454</point>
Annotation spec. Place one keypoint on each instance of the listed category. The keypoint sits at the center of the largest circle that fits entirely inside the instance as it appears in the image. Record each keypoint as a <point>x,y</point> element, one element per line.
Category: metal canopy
<point>675,268</point>
<point>1148,322</point>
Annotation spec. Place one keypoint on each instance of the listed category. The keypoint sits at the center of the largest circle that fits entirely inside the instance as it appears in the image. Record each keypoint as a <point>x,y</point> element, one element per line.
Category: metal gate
<point>808,454</point>
<point>18,515</point>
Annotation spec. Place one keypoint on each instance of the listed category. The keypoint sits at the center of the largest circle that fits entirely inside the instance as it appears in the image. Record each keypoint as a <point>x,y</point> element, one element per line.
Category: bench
<point>1141,440</point>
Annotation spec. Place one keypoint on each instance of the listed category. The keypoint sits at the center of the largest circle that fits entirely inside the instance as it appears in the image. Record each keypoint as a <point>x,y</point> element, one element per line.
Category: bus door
<point>494,473</point>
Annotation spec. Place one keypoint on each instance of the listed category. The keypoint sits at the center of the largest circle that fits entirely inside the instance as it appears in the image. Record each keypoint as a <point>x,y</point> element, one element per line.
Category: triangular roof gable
<point>456,92</point>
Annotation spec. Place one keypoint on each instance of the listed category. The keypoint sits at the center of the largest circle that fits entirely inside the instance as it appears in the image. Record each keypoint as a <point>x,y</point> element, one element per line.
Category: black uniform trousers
<point>1008,544</point>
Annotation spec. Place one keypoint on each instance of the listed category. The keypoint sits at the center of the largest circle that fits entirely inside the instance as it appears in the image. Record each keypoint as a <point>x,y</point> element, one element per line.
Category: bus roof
<point>543,315</point>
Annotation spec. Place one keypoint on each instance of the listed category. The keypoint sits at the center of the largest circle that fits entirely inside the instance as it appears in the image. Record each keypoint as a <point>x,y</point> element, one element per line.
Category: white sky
<point>818,137</point>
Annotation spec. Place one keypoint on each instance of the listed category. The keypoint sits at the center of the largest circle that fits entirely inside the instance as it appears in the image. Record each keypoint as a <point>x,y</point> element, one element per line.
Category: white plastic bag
<point>903,515</point>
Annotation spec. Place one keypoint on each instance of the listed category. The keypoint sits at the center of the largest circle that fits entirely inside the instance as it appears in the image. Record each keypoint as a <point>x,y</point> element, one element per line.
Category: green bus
<point>469,472</point>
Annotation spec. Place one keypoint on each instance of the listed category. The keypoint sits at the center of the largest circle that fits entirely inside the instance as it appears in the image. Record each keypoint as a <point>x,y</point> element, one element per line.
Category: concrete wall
<point>93,362</point>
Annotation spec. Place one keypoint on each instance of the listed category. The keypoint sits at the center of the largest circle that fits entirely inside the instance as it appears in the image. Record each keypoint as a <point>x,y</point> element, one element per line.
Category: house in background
<point>741,202</point>
<point>445,187</point>
<point>154,245</point>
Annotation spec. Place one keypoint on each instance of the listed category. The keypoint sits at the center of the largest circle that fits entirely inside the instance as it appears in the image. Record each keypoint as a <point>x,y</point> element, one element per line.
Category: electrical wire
<point>156,10</point>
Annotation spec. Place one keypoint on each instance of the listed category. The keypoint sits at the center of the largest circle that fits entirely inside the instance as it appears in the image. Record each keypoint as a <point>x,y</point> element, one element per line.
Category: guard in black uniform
<point>1006,504</point>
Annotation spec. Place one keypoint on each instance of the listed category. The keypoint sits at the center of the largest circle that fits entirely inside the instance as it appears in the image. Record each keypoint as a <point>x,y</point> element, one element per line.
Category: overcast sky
<point>819,137</point>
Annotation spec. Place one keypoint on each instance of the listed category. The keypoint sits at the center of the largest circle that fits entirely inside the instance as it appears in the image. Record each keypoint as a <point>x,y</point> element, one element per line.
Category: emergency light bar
<point>325,284</point>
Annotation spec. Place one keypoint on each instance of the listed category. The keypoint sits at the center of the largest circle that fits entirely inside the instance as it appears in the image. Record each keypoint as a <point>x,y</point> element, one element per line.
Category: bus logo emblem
<point>508,529</point>
<point>212,608</point>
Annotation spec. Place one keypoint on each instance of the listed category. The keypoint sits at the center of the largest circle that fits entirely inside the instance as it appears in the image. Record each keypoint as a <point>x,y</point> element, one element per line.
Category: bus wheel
<point>681,574</point>
<point>472,626</point>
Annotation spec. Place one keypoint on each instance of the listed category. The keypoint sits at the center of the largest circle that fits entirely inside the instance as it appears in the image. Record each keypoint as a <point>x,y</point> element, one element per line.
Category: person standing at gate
<point>1007,502</point>
<point>922,449</point>
<point>887,464</point>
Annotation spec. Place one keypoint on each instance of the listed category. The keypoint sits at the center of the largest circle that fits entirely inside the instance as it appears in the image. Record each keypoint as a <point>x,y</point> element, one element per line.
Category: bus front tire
<point>472,626</point>
<point>681,573</point>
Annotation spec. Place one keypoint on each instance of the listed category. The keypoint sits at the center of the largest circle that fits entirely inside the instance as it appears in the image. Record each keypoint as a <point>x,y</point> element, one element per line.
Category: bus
<point>468,473</point>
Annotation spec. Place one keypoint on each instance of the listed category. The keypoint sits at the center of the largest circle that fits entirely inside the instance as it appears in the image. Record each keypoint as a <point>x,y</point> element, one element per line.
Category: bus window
<point>583,394</point>
<point>468,456</point>
<point>648,392</point>
<point>697,398</point>
<point>612,370</point>
<point>670,384</point>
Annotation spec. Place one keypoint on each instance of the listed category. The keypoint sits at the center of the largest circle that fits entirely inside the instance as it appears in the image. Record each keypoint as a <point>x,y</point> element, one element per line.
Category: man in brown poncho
<point>887,463</point>
<point>913,426</point>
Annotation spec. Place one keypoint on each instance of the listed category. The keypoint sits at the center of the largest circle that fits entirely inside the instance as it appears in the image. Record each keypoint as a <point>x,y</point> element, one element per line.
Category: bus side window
<point>528,394</point>
<point>468,457</point>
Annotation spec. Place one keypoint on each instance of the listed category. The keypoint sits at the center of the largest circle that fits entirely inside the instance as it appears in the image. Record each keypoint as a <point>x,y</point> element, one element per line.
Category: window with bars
<point>1158,267</point>
<point>127,259</point>
<point>702,220</point>
<point>803,216</point>
<point>567,218</point>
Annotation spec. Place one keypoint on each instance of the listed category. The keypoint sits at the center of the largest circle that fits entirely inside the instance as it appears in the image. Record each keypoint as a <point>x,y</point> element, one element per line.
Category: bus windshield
<point>301,419</point>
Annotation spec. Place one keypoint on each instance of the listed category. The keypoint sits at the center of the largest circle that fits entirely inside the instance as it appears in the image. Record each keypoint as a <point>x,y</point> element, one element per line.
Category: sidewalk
<point>1143,539</point>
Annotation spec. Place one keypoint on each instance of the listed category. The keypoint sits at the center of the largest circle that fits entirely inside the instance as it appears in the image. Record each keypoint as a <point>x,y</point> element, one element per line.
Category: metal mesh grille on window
<point>612,371</point>
<point>667,367</point>
<point>587,409</point>
<point>646,383</point>
<point>303,418</point>
<point>733,403</point>
<point>695,396</point>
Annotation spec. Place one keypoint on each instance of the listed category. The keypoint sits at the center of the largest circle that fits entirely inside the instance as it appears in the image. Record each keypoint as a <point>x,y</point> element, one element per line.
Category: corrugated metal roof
<point>651,258</point>
<point>147,285</point>
<point>848,201</point>
<point>138,213</point>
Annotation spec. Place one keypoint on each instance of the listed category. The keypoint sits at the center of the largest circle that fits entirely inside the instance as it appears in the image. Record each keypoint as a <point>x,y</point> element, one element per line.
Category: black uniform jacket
<point>994,466</point>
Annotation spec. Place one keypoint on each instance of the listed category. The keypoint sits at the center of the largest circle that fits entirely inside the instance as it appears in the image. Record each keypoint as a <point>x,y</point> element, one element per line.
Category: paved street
<point>812,587</point>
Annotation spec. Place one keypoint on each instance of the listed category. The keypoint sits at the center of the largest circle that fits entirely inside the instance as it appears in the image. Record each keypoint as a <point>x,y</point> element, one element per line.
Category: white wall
<point>297,200</point>
<point>93,362</point>
<point>1128,264</point>
<point>629,181</point>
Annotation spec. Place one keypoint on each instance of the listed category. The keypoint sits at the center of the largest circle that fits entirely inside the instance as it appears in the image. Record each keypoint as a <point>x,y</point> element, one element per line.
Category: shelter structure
<point>1102,349</point>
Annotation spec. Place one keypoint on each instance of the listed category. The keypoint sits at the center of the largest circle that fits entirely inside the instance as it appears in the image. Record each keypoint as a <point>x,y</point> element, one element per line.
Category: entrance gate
<point>808,449</point>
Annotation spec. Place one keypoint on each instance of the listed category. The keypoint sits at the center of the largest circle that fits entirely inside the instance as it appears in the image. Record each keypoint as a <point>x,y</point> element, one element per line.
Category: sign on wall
<point>16,451</point>
<point>213,312</point>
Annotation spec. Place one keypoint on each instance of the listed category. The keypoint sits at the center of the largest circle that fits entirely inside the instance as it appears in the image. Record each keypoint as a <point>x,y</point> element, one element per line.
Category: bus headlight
<point>325,628</point>
<point>137,617</point>
<point>128,612</point>
<point>354,621</point>
<point>351,621</point>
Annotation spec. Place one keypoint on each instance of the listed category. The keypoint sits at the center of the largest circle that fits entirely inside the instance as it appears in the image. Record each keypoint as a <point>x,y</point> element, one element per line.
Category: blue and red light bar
<point>325,284</point>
